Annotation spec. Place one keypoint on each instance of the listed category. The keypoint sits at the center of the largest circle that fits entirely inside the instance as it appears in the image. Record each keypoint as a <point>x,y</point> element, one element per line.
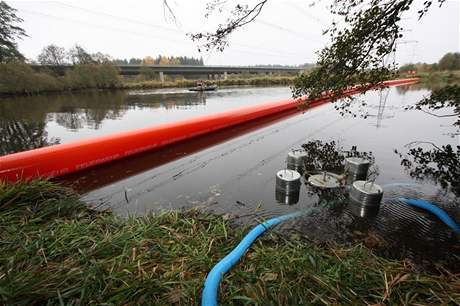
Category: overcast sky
<point>286,32</point>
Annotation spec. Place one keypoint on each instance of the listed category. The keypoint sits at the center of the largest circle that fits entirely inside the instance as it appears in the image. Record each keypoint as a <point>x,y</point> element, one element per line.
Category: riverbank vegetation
<point>97,72</point>
<point>54,250</point>
<point>20,78</point>
<point>438,79</point>
<point>242,81</point>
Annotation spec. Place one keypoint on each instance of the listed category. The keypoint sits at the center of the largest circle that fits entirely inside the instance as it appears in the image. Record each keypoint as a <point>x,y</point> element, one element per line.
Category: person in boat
<point>200,84</point>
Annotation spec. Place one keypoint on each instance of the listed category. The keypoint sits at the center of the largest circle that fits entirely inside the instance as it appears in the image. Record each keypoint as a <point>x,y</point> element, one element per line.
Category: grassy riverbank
<point>53,250</point>
<point>21,79</point>
<point>436,79</point>
<point>254,81</point>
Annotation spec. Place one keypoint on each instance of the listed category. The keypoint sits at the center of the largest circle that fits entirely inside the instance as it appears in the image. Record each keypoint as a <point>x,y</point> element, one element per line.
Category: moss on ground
<point>54,250</point>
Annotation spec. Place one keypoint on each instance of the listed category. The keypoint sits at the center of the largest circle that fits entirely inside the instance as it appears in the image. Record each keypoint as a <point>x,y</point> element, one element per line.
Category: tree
<point>148,60</point>
<point>450,61</point>
<point>357,50</point>
<point>357,54</point>
<point>79,56</point>
<point>164,60</point>
<point>9,32</point>
<point>407,67</point>
<point>135,61</point>
<point>52,55</point>
<point>174,61</point>
<point>121,61</point>
<point>101,58</point>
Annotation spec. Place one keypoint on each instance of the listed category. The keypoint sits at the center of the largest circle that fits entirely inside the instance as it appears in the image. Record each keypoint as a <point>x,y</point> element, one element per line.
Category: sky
<point>287,32</point>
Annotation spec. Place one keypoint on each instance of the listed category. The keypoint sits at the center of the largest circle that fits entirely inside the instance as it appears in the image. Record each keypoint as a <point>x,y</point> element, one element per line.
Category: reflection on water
<point>21,135</point>
<point>36,121</point>
<point>287,198</point>
<point>367,212</point>
<point>25,120</point>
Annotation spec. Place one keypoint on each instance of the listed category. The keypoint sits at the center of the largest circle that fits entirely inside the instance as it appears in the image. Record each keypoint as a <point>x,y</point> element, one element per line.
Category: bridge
<point>210,72</point>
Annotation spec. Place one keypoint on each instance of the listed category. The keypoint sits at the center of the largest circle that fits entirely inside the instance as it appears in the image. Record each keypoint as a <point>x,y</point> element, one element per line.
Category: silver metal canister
<point>287,189</point>
<point>288,181</point>
<point>366,193</point>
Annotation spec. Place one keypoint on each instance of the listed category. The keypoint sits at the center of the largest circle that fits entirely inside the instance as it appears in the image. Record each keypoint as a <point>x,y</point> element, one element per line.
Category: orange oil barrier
<point>61,159</point>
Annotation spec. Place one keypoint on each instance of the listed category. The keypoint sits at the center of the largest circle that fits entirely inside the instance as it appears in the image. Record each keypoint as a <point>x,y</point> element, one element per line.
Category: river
<point>233,171</point>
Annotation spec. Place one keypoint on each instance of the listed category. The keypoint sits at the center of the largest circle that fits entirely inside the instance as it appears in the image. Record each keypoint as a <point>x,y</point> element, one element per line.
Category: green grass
<point>55,251</point>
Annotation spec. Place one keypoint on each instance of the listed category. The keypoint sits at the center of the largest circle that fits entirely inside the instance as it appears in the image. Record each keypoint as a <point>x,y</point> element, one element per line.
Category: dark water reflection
<point>26,121</point>
<point>37,121</point>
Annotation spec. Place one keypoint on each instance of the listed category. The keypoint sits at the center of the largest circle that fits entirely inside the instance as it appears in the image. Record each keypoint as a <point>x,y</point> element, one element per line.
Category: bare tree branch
<point>242,15</point>
<point>440,116</point>
<point>167,10</point>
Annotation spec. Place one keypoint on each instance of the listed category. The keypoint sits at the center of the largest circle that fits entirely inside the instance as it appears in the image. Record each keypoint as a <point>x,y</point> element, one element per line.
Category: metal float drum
<point>296,160</point>
<point>366,193</point>
<point>288,181</point>
<point>356,168</point>
<point>325,180</point>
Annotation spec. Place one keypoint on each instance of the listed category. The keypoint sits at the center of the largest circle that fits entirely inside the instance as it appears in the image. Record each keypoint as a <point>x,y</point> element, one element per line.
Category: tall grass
<point>53,250</point>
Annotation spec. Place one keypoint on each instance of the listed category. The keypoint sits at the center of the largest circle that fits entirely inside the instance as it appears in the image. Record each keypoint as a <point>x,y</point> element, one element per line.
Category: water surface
<point>233,171</point>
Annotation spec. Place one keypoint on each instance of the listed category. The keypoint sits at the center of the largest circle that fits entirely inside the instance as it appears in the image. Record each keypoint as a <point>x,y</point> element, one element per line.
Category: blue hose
<point>438,212</point>
<point>211,286</point>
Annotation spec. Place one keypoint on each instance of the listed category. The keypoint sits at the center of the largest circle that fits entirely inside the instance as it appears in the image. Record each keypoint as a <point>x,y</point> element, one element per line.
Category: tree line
<point>161,60</point>
<point>450,61</point>
<point>77,55</point>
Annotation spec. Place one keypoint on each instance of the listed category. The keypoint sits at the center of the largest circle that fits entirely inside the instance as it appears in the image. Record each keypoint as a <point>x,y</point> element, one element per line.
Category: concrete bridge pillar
<point>162,77</point>
<point>225,75</point>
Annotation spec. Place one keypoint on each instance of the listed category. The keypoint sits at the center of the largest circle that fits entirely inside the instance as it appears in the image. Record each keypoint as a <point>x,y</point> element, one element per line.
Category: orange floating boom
<point>61,159</point>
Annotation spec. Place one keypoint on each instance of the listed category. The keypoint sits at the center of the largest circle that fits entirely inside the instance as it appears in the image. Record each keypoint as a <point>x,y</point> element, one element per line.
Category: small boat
<point>203,88</point>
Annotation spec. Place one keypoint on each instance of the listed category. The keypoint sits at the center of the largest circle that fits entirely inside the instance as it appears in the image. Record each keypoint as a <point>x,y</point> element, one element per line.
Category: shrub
<point>92,76</point>
<point>147,74</point>
<point>21,78</point>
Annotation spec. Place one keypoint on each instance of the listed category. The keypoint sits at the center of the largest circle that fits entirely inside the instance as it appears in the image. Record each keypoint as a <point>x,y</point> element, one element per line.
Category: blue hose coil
<point>211,285</point>
<point>438,212</point>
